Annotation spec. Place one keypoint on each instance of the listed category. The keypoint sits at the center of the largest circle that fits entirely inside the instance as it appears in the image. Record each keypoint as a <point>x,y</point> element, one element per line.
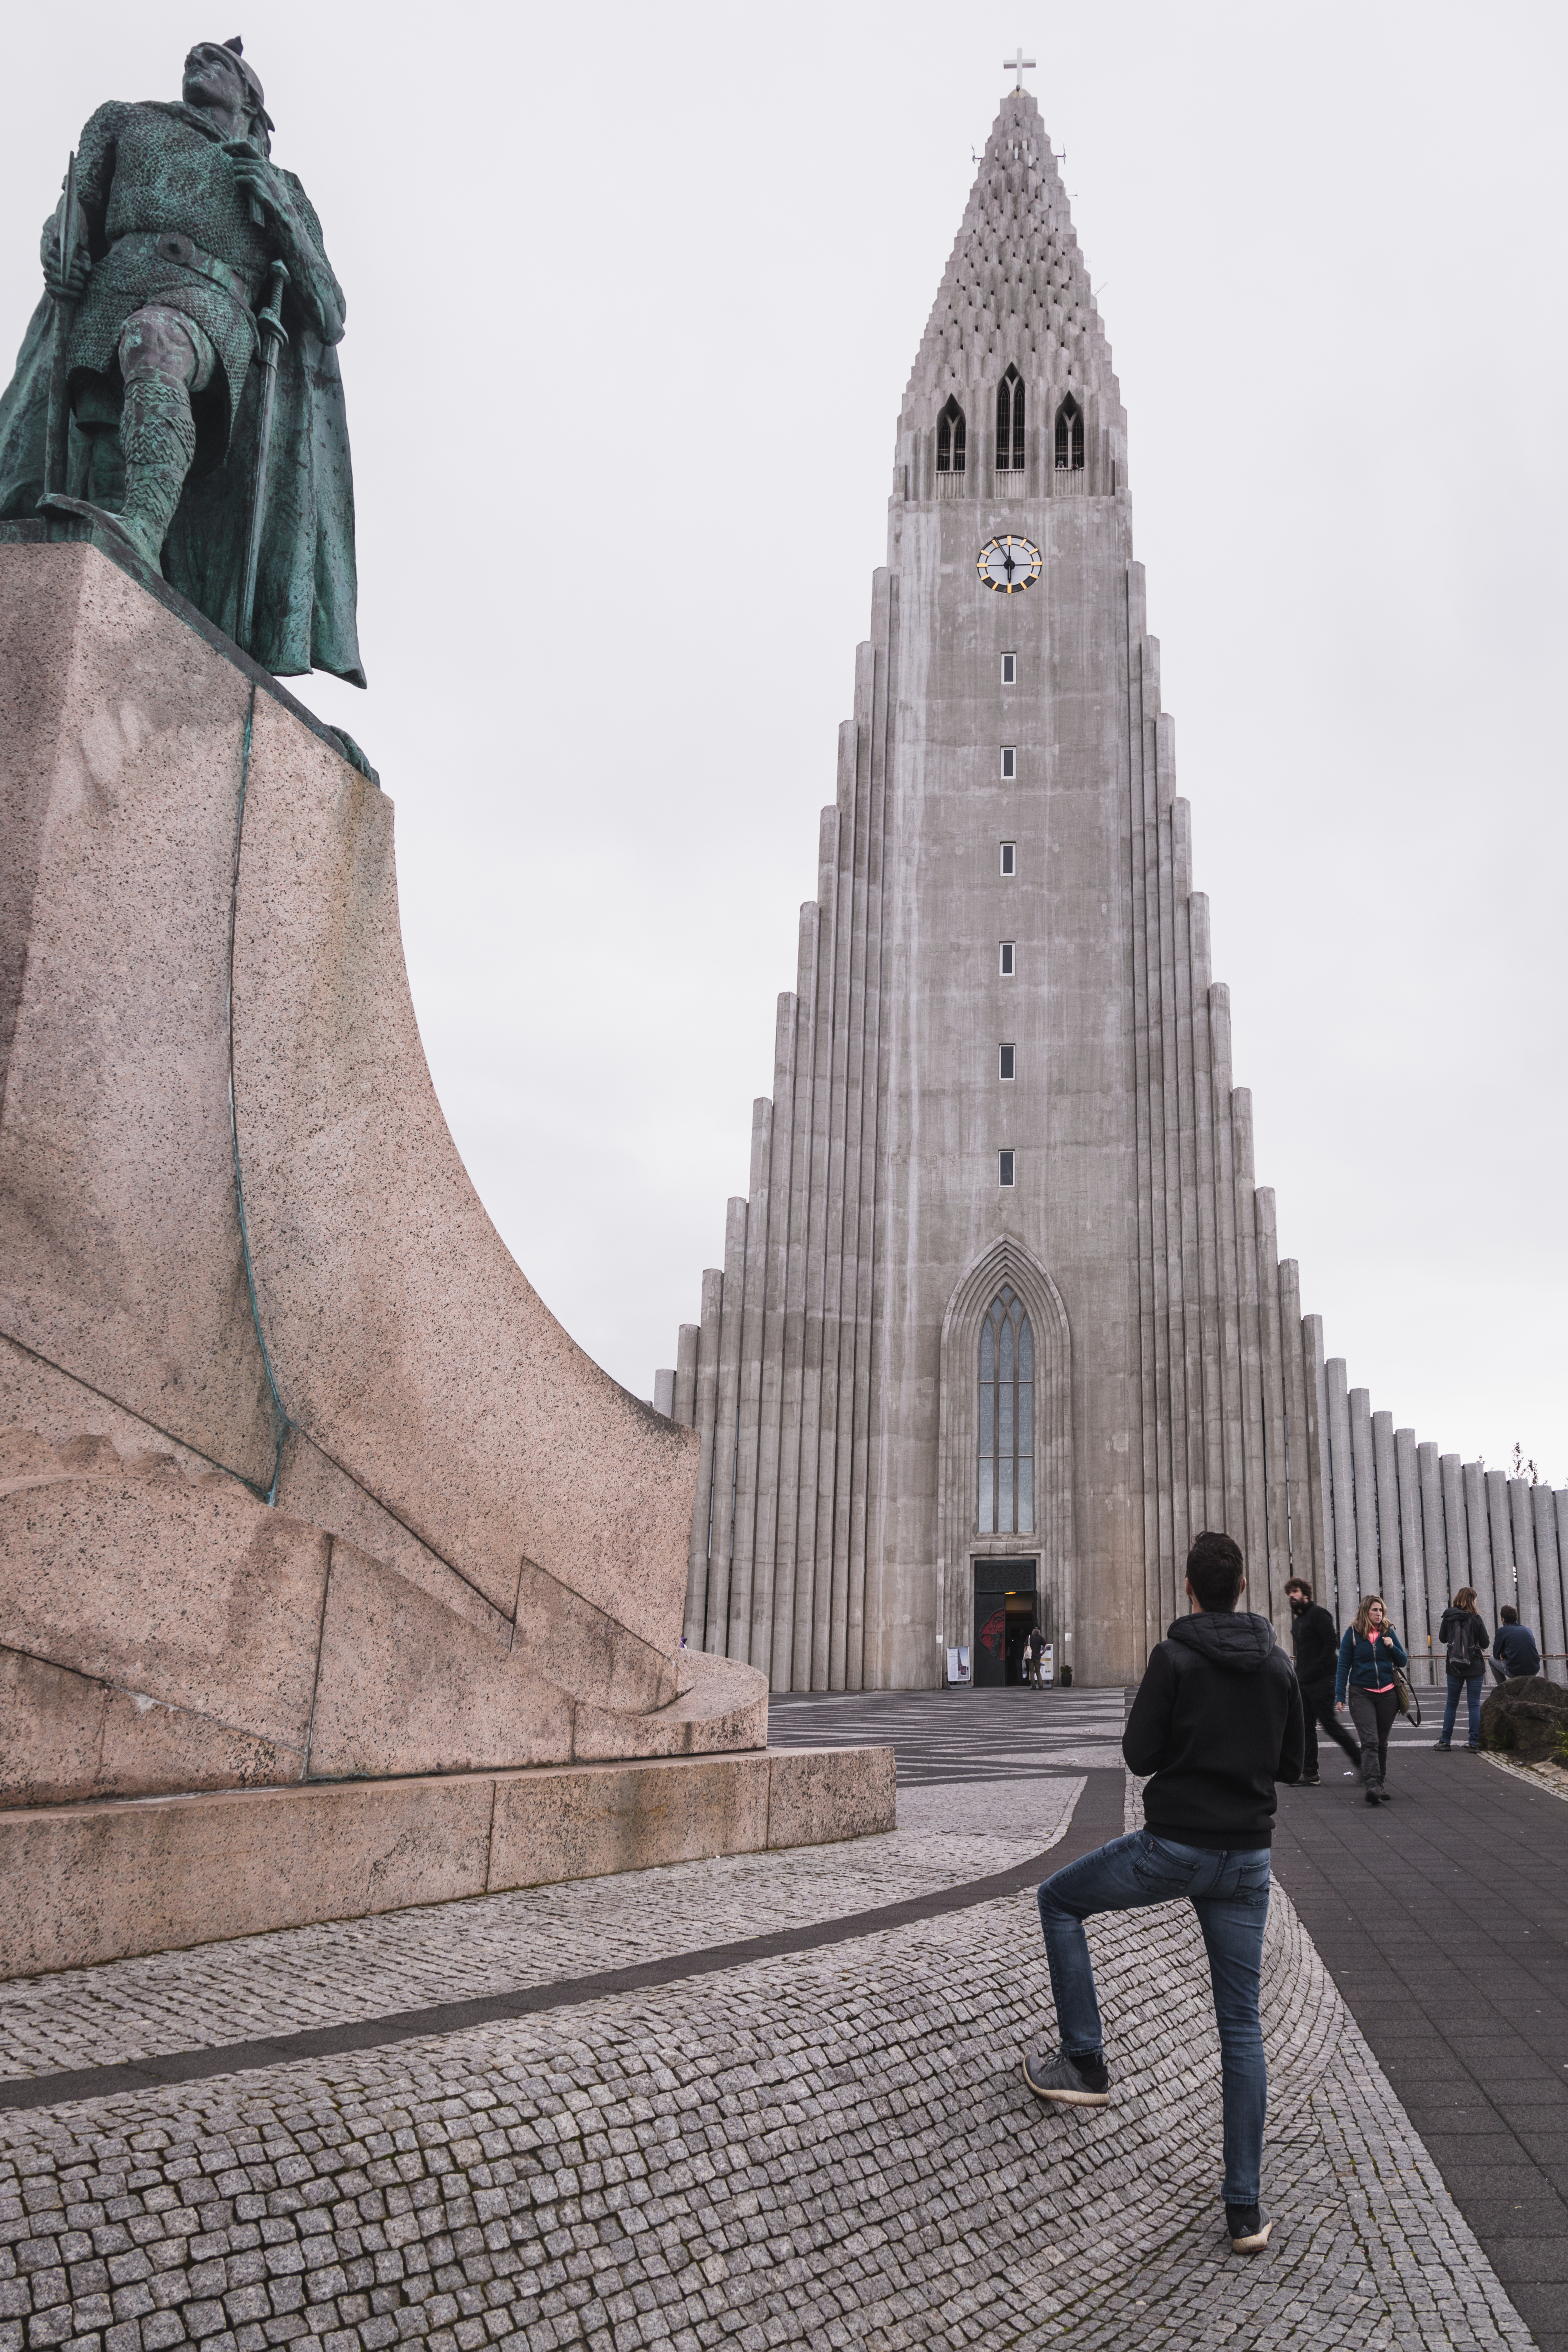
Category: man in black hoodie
<point>1216,1721</point>
<point>1317,1648</point>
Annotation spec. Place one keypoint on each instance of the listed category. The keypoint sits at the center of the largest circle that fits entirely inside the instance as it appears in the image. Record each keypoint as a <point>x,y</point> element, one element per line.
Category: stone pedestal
<point>303,1483</point>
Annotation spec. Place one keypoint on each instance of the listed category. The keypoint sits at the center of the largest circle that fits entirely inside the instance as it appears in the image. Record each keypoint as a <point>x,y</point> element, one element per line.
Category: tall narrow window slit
<point>950,439</point>
<point>1010,424</point>
<point>1007,1496</point>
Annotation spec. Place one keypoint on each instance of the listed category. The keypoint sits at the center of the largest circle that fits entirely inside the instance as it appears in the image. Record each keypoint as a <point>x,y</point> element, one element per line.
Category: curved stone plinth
<point>231,1215</point>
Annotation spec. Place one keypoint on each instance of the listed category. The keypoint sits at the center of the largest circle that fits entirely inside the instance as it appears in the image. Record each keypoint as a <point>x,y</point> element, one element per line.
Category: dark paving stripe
<point>1443,1918</point>
<point>1096,1817</point>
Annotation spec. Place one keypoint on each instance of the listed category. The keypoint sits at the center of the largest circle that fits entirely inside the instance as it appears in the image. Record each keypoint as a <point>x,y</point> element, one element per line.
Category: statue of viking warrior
<point>180,220</point>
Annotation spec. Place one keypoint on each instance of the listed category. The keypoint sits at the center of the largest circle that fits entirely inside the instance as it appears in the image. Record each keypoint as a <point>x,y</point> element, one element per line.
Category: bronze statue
<point>188,334</point>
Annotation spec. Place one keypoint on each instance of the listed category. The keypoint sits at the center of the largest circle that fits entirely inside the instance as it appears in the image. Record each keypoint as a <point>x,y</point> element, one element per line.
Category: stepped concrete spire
<point>1016,287</point>
<point>1003,1323</point>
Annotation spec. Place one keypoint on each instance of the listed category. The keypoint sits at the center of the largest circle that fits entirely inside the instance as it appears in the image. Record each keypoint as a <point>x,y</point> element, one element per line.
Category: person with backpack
<point>1514,1652</point>
<point>1316,1646</point>
<point>1369,1653</point>
<point>1216,1721</point>
<point>1466,1642</point>
<point>1034,1655</point>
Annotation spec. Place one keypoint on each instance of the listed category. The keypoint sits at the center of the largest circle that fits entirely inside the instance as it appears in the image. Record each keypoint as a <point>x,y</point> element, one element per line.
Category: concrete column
<point>1455,1528</point>
<point>858,1666</point>
<point>1250,1325</point>
<point>749,1408</point>
<point>1184,1402</point>
<point>780,1209</point>
<point>1298,1488</point>
<point>685,1409</point>
<point>1413,1625</point>
<point>1341,1479</point>
<point>1385,1484</point>
<point>664,1393</point>
<point>791,1404</point>
<point>1548,1567</point>
<point>1235,1519</point>
<point>808,1652</point>
<point>1208,1237</point>
<point>1276,1444</point>
<point>1319,1568</point>
<point>1365,1482</point>
<point>1475,1527</point>
<point>706,1414</point>
<point>830,1591</point>
<point>1434,1543</point>
<point>723,1532</point>
<point>1505,1582</point>
<point>1527,1580</point>
<point>1187,1169</point>
<point>1156,1530</point>
<point>1161,1114</point>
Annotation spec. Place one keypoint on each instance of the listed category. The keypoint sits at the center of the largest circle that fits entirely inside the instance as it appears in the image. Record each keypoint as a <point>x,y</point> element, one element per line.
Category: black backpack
<point>1465,1643</point>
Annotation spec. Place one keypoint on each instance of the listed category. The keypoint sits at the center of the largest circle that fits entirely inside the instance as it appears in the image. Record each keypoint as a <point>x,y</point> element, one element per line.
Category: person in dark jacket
<point>1316,1645</point>
<point>1514,1652</point>
<point>1216,1721</point>
<point>1466,1642</point>
<point>1364,1679</point>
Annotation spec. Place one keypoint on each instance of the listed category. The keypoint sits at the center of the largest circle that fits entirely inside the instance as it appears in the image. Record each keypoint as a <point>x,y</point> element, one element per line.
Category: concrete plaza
<point>774,2098</point>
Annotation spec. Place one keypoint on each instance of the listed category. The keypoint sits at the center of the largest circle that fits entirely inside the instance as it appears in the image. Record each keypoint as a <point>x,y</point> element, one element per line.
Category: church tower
<point>1002,1323</point>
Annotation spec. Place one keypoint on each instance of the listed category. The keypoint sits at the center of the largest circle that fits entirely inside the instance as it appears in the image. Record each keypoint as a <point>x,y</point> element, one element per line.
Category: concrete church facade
<point>1002,1311</point>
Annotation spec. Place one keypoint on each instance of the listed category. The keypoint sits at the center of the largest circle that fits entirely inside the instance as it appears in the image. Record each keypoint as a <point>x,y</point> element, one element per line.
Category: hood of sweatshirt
<point>1235,1639</point>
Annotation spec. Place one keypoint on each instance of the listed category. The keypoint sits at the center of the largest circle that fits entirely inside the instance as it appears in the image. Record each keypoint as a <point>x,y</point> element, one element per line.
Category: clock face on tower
<point>1009,563</point>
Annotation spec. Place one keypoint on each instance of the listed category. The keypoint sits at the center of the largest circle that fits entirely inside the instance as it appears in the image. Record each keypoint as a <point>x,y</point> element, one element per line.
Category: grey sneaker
<point>1057,2076</point>
<point>1248,2229</point>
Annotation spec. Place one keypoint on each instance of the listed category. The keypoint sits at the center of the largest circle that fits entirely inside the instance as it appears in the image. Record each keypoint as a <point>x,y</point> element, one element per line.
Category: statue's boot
<point>157,440</point>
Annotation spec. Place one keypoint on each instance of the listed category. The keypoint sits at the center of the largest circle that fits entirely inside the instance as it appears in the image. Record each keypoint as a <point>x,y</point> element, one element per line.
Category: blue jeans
<point>1230,1892</point>
<point>1471,1686</point>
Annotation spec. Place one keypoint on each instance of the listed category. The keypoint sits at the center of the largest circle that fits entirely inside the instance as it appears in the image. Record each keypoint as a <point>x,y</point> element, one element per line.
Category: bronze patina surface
<point>158,265</point>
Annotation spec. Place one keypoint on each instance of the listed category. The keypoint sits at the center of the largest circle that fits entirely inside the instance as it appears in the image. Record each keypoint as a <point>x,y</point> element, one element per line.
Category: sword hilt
<point>270,319</point>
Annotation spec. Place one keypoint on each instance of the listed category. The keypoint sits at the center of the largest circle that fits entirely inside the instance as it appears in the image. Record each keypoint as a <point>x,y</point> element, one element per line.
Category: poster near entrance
<point>1004,1615</point>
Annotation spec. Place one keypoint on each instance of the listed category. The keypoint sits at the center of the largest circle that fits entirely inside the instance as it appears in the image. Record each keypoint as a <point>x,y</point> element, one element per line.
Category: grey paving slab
<point>1442,1917</point>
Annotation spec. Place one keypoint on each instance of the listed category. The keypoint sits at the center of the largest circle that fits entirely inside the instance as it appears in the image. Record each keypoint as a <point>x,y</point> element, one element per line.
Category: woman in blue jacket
<point>1369,1651</point>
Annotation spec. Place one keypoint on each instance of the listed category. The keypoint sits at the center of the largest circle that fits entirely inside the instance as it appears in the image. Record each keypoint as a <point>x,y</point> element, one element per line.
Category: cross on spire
<point>1020,64</point>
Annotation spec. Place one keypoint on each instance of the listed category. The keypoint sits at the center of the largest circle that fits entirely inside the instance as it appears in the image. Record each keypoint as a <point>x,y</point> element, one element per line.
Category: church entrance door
<point>1006,1607</point>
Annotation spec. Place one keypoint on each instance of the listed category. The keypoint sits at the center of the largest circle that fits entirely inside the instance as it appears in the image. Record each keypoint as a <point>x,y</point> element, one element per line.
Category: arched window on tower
<point>950,439</point>
<point>1070,437</point>
<point>1010,424</point>
<point>1007,1418</point>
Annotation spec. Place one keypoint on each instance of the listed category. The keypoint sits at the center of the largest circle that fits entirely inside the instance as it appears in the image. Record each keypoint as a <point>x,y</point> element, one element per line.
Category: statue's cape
<point>306,586</point>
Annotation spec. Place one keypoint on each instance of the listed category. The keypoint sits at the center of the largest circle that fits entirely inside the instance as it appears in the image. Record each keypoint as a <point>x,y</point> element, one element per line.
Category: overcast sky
<point>633,294</point>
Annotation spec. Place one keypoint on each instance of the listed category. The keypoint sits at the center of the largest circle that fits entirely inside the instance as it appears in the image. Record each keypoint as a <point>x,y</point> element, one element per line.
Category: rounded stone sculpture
<point>1527,1719</point>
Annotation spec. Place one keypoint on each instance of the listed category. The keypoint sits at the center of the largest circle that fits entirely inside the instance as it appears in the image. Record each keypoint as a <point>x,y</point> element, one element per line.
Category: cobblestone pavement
<point>832,2148</point>
<point>358,1968</point>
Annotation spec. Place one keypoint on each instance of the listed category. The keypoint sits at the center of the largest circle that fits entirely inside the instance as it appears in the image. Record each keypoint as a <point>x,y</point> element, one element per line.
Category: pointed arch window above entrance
<point>1010,424</point>
<point>1070,437</point>
<point>950,437</point>
<point>1006,1505</point>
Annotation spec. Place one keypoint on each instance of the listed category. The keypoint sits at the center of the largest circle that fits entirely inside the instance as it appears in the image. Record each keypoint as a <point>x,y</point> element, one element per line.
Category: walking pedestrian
<point>1035,1654</point>
<point>1466,1642</point>
<point>1514,1652</point>
<point>1369,1651</point>
<point>1316,1645</point>
<point>1217,1720</point>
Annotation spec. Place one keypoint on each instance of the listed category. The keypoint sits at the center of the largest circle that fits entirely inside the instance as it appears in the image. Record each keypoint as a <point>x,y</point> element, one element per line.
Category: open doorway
<point>1006,1605</point>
